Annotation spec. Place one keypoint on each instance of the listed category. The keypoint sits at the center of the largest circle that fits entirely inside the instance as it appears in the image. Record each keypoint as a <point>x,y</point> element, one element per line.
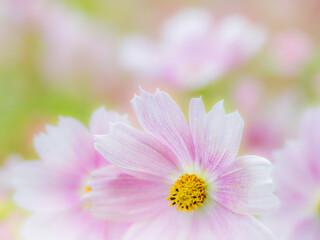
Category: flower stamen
<point>188,193</point>
<point>87,189</point>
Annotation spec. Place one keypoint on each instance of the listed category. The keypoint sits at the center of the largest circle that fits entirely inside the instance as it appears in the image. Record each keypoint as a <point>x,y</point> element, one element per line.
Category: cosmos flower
<point>71,47</point>
<point>270,118</point>
<point>298,177</point>
<point>180,181</point>
<point>193,50</point>
<point>52,188</point>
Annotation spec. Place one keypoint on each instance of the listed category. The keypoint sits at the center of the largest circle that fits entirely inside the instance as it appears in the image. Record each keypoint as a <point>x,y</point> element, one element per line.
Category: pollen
<point>187,193</point>
<point>87,189</point>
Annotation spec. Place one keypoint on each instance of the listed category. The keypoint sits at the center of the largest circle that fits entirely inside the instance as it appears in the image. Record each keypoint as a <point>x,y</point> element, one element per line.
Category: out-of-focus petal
<point>69,144</point>
<point>192,24</point>
<point>41,188</point>
<point>310,131</point>
<point>307,229</point>
<point>100,119</point>
<point>122,197</point>
<point>72,225</point>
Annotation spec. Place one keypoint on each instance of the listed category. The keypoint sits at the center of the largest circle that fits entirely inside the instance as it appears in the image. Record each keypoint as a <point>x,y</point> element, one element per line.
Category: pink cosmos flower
<point>52,188</point>
<point>270,118</point>
<point>73,48</point>
<point>298,180</point>
<point>193,50</point>
<point>180,181</point>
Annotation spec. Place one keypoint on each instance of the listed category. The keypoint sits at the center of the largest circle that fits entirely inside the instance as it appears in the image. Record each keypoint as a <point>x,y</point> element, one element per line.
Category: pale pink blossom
<point>292,50</point>
<point>170,160</point>
<point>71,48</point>
<point>74,48</point>
<point>52,188</point>
<point>270,118</point>
<point>297,174</point>
<point>193,49</point>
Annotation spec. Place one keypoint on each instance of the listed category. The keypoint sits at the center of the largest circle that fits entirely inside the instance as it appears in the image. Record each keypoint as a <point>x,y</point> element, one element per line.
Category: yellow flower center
<point>87,189</point>
<point>188,193</point>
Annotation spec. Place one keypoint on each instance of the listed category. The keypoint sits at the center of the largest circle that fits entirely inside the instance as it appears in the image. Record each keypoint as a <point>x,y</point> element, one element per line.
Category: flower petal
<point>159,115</point>
<point>136,152</point>
<point>221,224</point>
<point>217,223</point>
<point>216,135</point>
<point>119,196</point>
<point>69,144</point>
<point>168,224</point>
<point>310,131</point>
<point>308,228</point>
<point>100,118</point>
<point>71,225</point>
<point>246,186</point>
<point>41,188</point>
<point>290,169</point>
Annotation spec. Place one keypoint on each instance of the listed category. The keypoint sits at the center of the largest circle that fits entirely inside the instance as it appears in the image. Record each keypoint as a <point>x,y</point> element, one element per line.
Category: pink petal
<point>100,118</point>
<point>294,174</point>
<point>217,223</point>
<point>307,229</point>
<point>246,186</point>
<point>68,145</point>
<point>222,224</point>
<point>159,115</point>
<point>216,135</point>
<point>311,137</point>
<point>166,225</point>
<point>137,152</point>
<point>71,225</point>
<point>41,188</point>
<point>118,196</point>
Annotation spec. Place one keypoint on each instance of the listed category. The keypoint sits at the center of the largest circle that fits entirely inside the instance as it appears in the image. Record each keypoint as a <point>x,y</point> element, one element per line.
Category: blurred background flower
<point>67,57</point>
<point>194,50</point>
<point>11,217</point>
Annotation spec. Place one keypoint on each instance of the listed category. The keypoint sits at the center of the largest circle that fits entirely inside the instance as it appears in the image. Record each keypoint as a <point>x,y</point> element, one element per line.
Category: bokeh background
<point>65,57</point>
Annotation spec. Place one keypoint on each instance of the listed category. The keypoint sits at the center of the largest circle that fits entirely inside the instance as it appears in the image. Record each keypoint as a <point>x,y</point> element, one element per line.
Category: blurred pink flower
<point>75,49</point>
<point>6,175</point>
<point>269,119</point>
<point>10,225</point>
<point>71,48</point>
<point>193,168</point>
<point>292,50</point>
<point>298,177</point>
<point>5,232</point>
<point>52,188</point>
<point>193,50</point>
